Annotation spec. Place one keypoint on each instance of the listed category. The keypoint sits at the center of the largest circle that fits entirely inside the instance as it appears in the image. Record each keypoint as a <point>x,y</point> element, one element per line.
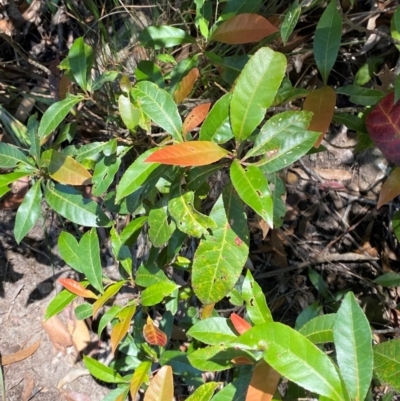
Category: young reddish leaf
<point>186,85</point>
<point>391,188</point>
<point>195,117</point>
<point>161,387</point>
<point>383,126</point>
<point>263,384</point>
<point>240,325</point>
<point>194,153</point>
<point>243,28</point>
<point>121,328</point>
<point>153,335</point>
<point>76,288</point>
<point>322,103</point>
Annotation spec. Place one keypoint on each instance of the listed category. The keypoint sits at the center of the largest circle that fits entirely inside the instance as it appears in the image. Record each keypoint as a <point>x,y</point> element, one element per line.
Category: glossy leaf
<point>383,125</point>
<point>59,303</point>
<point>320,329</point>
<point>390,279</point>
<point>129,113</point>
<point>79,56</point>
<point>195,117</point>
<point>108,316</point>
<point>243,28</point>
<point>221,255</point>
<point>131,231</point>
<point>140,376</point>
<point>65,169</point>
<point>351,121</point>
<point>153,335</point>
<point>28,212</point>
<point>255,91</point>
<point>193,153</point>
<point>264,383</point>
<point>360,95</point>
<point>69,250</point>
<point>101,371</point>
<point>149,71</point>
<point>387,362</point>
<point>240,325</point>
<point>217,127</point>
<point>55,114</point>
<point>10,156</point>
<point>292,15</point>
<point>158,105</point>
<point>353,344</point>
<point>150,274</point>
<point>327,39</point>
<point>256,305</point>
<point>321,102</point>
<point>184,87</point>
<point>204,392</point>
<point>120,329</point>
<point>212,331</point>
<point>104,173</point>
<point>154,294</point>
<point>76,288</point>
<point>158,37</point>
<point>253,189</point>
<point>161,387</point>
<point>83,311</point>
<point>160,226</point>
<point>110,291</point>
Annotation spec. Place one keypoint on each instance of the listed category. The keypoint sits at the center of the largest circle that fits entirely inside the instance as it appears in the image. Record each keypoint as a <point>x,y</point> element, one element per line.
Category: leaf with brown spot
<point>194,153</point>
<point>161,387</point>
<point>240,325</point>
<point>195,117</point>
<point>153,335</point>
<point>322,103</point>
<point>121,328</point>
<point>20,355</point>
<point>390,188</point>
<point>383,126</point>
<point>186,85</point>
<point>263,384</point>
<point>76,288</point>
<point>243,28</point>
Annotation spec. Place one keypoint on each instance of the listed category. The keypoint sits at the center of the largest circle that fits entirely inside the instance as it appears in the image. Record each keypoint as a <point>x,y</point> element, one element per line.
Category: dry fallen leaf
<point>58,333</point>
<point>20,355</point>
<point>71,376</point>
<point>333,174</point>
<point>29,385</point>
<point>75,396</point>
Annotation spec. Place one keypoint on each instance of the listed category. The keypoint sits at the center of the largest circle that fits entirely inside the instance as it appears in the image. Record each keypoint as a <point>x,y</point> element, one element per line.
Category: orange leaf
<point>194,153</point>
<point>322,103</point>
<point>153,335</point>
<point>390,188</point>
<point>243,28</point>
<point>242,360</point>
<point>186,85</point>
<point>121,328</point>
<point>240,325</point>
<point>195,117</point>
<point>76,288</point>
<point>263,384</point>
<point>207,310</point>
<point>20,355</point>
<point>161,387</point>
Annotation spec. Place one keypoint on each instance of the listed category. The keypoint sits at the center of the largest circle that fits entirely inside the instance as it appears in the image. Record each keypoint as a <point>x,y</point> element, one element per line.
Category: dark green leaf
<point>390,279</point>
<point>360,95</point>
<point>289,23</point>
<point>180,71</point>
<point>387,362</point>
<point>351,121</point>
<point>131,231</point>
<point>104,173</point>
<point>107,317</point>
<point>106,76</point>
<point>146,70</point>
<point>79,57</point>
<point>69,250</point>
<point>10,156</point>
<point>236,390</point>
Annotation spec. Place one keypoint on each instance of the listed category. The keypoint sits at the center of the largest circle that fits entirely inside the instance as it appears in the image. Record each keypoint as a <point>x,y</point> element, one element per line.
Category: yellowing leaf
<point>207,311</point>
<point>263,384</point>
<point>322,103</point>
<point>139,377</point>
<point>153,335</point>
<point>390,188</point>
<point>195,117</point>
<point>161,387</point>
<point>186,85</point>
<point>194,153</point>
<point>108,293</point>
<point>121,328</point>
<point>243,28</point>
<point>76,288</point>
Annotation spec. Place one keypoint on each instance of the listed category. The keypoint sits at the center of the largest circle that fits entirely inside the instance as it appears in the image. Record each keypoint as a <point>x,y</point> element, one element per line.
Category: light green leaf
<point>102,372</point>
<point>255,90</point>
<point>220,256</point>
<point>6,179</point>
<point>212,331</point>
<point>69,250</point>
<point>327,39</point>
<point>80,56</point>
<point>83,311</point>
<point>387,362</point>
<point>70,203</point>
<point>10,156</point>
<point>104,173</point>
<point>253,189</point>
<point>119,393</point>
<point>204,392</point>
<point>289,23</point>
<point>158,105</point>
<point>154,294</point>
<point>106,76</point>
<point>158,37</point>
<point>320,329</point>
<point>160,228</point>
<point>180,364</point>
<point>109,315</point>
<point>256,304</point>
<point>90,262</point>
<point>91,151</point>
<point>353,344</point>
<point>129,113</point>
<point>360,95</point>
<point>60,301</point>
<point>131,231</point>
<point>140,375</point>
<point>28,212</point>
<point>55,114</point>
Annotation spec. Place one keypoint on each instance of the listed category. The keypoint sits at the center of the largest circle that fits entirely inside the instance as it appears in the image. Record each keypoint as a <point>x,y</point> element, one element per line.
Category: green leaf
<point>204,392</point>
<point>217,127</point>
<point>390,279</point>
<point>180,71</point>
<point>158,105</point>
<point>396,19</point>
<point>106,76</point>
<point>83,311</point>
<point>158,37</point>
<point>119,393</point>
<point>146,70</point>
<point>289,23</point>
<point>160,228</point>
<point>237,389</point>
<point>79,57</point>
<point>104,173</point>
<point>132,230</point>
<point>278,194</point>
<point>397,88</point>
<point>69,250</point>
<point>28,212</point>
<point>253,189</point>
<point>212,331</point>
<point>140,375</point>
<point>58,304</point>
<point>10,156</point>
<point>55,114</point>
<point>90,262</point>
<point>91,151</point>
<point>351,121</point>
<point>255,91</point>
<point>360,95</point>
<point>129,113</point>
<point>220,256</point>
<point>154,294</point>
<point>102,372</point>
<point>121,252</point>
<point>256,305</point>
<point>239,7</point>
<point>327,39</point>
<point>353,344</point>
<point>387,362</point>
<point>6,179</point>
<point>149,274</point>
<point>320,329</point>
<point>180,364</point>
<point>33,126</point>
<point>70,203</point>
<point>107,317</point>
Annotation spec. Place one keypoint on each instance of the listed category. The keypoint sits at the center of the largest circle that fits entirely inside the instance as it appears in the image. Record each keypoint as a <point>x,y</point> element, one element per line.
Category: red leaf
<point>391,188</point>
<point>383,126</point>
<point>243,28</point>
<point>186,85</point>
<point>76,288</point>
<point>240,325</point>
<point>194,153</point>
<point>263,384</point>
<point>153,335</point>
<point>195,117</point>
